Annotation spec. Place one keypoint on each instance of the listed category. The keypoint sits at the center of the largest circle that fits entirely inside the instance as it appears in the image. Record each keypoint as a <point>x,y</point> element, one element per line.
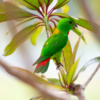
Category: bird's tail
<point>42,66</point>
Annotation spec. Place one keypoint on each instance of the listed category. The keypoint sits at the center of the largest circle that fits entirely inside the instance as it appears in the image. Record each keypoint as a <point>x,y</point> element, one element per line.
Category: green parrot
<point>54,44</point>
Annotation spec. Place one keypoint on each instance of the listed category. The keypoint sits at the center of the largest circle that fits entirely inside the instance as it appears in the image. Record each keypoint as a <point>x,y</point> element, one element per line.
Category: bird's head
<point>66,24</point>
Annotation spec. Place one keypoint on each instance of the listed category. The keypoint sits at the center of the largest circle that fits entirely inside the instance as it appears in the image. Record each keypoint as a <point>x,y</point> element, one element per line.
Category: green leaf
<point>18,39</point>
<point>46,1</point>
<point>66,55</point>
<point>53,80</point>
<point>60,79</point>
<point>94,60</point>
<point>82,22</point>
<point>74,53</point>
<point>12,13</point>
<point>79,33</point>
<point>31,4</point>
<point>23,21</point>
<point>63,76</point>
<point>72,71</point>
<point>36,34</point>
<point>85,23</point>
<point>61,15</point>
<point>61,3</point>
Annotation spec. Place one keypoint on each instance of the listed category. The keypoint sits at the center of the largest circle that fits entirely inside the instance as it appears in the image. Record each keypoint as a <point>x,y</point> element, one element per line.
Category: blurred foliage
<point>67,73</point>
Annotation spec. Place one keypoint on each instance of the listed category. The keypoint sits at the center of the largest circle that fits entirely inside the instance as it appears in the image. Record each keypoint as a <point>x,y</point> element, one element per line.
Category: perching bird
<point>54,44</point>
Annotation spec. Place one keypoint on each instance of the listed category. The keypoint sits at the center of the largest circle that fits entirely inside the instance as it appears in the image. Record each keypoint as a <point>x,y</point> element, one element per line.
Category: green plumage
<point>54,44</point>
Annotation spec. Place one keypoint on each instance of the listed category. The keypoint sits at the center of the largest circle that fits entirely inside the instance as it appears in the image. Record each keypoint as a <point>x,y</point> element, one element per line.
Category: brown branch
<point>30,78</point>
<point>78,90</point>
<point>90,78</point>
<point>90,16</point>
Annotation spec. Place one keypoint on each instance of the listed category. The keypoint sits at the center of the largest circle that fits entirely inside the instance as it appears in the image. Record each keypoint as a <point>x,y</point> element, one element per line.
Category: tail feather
<point>40,59</point>
<point>42,66</point>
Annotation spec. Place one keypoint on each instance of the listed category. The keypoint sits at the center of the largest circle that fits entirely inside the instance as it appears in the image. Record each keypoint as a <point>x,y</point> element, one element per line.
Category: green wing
<point>54,44</point>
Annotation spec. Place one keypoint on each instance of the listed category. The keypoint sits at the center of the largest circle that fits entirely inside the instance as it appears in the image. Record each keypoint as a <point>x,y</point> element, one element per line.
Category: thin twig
<point>30,78</point>
<point>90,78</point>
<point>90,16</point>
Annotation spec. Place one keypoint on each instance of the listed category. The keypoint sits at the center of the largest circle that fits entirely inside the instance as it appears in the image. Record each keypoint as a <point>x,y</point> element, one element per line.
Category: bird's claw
<point>59,64</point>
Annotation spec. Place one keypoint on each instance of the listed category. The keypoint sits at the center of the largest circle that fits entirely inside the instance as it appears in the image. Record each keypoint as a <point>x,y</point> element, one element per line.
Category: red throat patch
<point>67,33</point>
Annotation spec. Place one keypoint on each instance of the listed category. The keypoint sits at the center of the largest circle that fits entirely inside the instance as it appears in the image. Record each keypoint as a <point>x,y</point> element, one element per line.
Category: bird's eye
<point>70,22</point>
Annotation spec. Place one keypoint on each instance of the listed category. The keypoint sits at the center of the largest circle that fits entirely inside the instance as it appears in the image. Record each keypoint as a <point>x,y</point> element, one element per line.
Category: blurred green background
<point>14,89</point>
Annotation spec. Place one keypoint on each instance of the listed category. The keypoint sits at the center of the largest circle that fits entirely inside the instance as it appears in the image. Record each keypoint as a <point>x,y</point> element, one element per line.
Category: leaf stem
<point>53,23</point>
<point>47,26</point>
<point>37,16</point>
<point>50,12</point>
<point>47,7</point>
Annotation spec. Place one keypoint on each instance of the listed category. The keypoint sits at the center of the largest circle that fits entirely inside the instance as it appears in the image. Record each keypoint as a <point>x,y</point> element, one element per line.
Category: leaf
<point>37,98</point>
<point>12,13</point>
<point>36,34</point>
<point>18,39</point>
<point>15,2</point>
<point>46,2</point>
<point>60,79</point>
<point>94,60</point>
<point>66,55</point>
<point>23,21</point>
<point>65,8</point>
<point>79,33</point>
<point>29,77</point>
<point>82,22</point>
<point>63,76</point>
<point>31,4</point>
<point>74,53</point>
<point>61,3</point>
<point>53,80</point>
<point>71,72</point>
<point>61,15</point>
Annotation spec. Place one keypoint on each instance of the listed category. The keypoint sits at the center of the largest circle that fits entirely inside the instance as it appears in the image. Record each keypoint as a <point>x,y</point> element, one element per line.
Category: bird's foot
<point>59,64</point>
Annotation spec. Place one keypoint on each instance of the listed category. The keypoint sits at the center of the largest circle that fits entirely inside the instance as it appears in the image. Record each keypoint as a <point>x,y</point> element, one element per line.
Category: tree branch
<point>90,78</point>
<point>31,79</point>
<point>78,90</point>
